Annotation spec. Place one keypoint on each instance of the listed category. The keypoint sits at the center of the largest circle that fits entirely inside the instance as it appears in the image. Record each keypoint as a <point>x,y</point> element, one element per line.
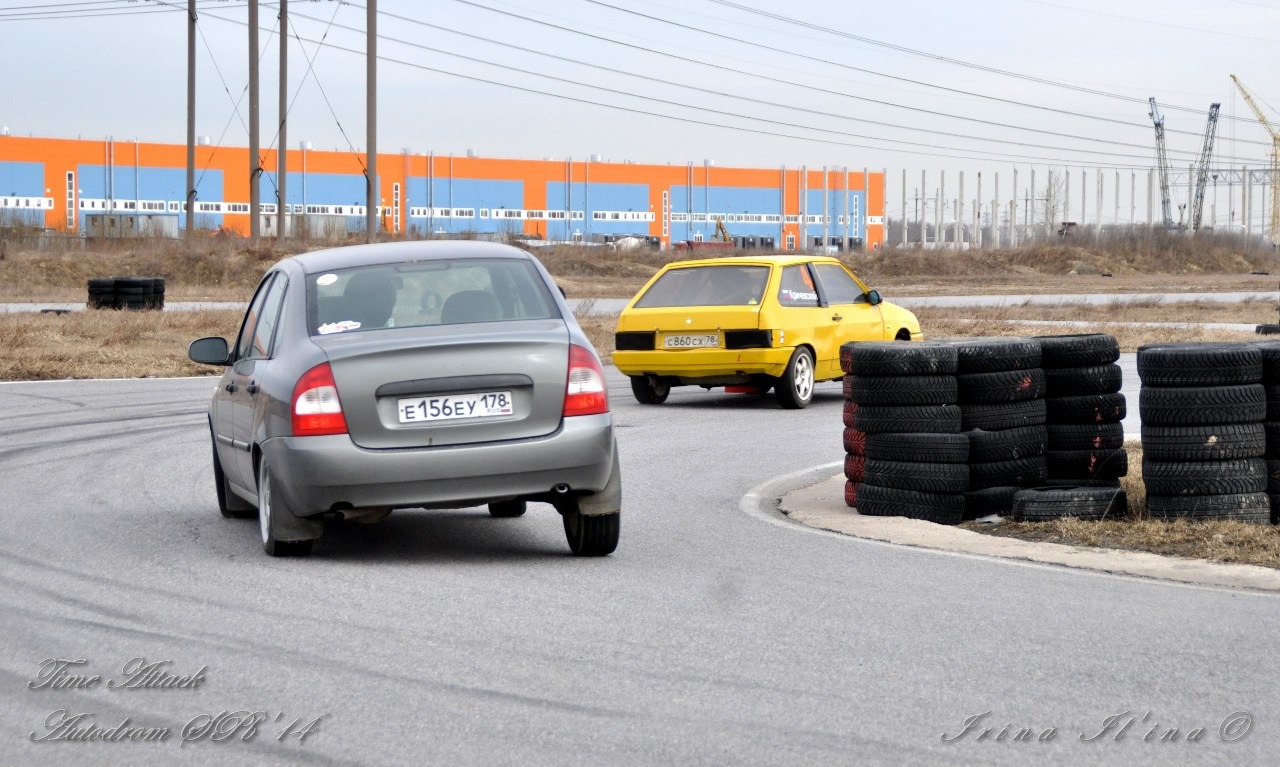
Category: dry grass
<point>107,344</point>
<point>1230,542</point>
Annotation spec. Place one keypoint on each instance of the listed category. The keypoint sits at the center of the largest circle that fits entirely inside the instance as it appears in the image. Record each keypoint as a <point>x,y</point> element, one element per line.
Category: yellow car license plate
<point>452,406</point>
<point>691,342</point>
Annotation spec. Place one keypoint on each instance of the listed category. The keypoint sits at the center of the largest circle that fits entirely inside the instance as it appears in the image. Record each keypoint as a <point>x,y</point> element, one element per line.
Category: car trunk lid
<point>450,385</point>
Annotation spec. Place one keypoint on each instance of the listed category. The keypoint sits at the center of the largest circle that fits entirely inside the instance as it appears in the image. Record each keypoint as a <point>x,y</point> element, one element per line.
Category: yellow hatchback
<point>750,321</point>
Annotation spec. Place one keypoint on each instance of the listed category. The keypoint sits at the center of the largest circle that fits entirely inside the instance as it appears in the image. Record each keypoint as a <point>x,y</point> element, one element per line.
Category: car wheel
<point>513,508</point>
<point>590,536</point>
<point>268,507</point>
<point>230,504</point>
<point>649,391</point>
<point>795,388</point>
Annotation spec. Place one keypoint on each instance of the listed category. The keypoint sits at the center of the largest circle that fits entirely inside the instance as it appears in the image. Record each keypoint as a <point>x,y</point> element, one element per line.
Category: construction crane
<point>1202,169</point>
<point>1274,224</point>
<point>1162,160</point>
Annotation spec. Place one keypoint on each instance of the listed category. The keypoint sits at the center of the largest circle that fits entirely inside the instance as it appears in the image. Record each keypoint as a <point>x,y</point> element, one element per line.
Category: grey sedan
<point>411,375</point>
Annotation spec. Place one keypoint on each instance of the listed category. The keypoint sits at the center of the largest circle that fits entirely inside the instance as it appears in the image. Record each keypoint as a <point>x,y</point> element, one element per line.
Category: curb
<point>815,498</point>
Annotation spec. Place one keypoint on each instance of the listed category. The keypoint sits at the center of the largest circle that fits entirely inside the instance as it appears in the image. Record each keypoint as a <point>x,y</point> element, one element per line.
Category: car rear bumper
<point>704,363</point>
<point>319,474</point>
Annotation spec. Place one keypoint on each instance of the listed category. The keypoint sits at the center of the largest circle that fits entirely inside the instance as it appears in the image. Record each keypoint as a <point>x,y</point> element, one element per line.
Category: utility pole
<point>255,203</point>
<point>282,151</point>
<point>371,119</point>
<point>191,119</point>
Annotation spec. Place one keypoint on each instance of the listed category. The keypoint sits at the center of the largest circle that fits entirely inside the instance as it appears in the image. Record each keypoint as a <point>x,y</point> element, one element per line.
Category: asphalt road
<point>710,637</point>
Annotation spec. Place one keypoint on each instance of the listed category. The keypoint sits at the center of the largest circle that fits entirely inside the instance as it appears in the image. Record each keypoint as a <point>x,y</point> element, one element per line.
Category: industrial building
<point>113,188</point>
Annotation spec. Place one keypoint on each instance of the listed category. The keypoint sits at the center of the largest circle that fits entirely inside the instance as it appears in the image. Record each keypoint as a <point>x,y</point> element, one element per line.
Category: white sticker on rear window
<point>326,279</point>
<point>337,327</point>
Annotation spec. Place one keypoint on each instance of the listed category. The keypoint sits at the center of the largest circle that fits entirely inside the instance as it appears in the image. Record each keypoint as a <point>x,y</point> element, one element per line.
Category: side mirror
<point>211,350</point>
<point>873,297</point>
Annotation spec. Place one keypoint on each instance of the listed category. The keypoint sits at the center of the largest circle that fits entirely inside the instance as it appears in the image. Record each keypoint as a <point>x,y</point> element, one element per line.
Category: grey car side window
<point>263,312</point>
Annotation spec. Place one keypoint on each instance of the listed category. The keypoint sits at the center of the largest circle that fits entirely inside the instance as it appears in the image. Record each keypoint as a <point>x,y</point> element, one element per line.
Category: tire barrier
<point>904,455</point>
<point>1204,407</point>
<point>137,293</point>
<point>1271,422</point>
<point>1084,407</point>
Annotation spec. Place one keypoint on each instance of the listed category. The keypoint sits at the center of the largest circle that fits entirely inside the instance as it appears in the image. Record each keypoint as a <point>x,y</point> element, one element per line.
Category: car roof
<point>772,259</point>
<point>398,252</point>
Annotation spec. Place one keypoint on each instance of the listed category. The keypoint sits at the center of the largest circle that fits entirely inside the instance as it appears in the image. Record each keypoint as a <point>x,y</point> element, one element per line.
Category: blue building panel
<point>22,179</point>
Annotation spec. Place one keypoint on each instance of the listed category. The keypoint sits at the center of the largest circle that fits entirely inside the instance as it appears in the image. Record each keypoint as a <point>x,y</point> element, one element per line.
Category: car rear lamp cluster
<point>316,408</point>
<point>584,392</point>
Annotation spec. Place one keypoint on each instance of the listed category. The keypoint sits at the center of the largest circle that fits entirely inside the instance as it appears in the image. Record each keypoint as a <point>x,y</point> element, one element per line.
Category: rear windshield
<point>720,285</point>
<point>415,294</point>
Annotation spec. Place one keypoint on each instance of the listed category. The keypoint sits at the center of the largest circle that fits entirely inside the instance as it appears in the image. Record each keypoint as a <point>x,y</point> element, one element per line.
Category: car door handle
<point>230,387</point>
<point>252,388</point>
<point>837,317</point>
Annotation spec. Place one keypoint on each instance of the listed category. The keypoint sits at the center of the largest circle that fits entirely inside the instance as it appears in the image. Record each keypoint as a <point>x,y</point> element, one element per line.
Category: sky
<point>913,86</point>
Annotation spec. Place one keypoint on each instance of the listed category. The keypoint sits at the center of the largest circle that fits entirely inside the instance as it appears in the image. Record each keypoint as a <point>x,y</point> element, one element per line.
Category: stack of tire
<point>1203,409</point>
<point>905,455</point>
<point>1001,387</point>
<point>1085,408</point>
<point>1271,383</point>
<point>126,293</point>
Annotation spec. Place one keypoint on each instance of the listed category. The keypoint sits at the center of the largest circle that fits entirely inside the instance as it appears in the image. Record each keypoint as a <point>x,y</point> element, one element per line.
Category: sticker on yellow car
<point>701,341</point>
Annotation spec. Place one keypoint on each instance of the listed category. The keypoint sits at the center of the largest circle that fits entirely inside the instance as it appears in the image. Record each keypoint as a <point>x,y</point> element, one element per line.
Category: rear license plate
<point>453,406</point>
<point>691,342</point>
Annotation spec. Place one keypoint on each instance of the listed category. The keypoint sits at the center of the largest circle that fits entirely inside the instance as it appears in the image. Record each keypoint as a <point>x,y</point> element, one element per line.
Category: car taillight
<point>584,393</point>
<point>316,408</point>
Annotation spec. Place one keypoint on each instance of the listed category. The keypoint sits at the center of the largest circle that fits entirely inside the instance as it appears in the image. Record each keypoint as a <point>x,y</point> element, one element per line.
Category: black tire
<point>849,414</point>
<point>794,388</point>
<point>855,440</point>
<point>1006,444</point>
<point>1003,415</point>
<point>1199,364</point>
<point>1051,482</point>
<point>508,509</point>
<point>1273,476</point>
<point>1272,430</point>
<point>269,505</point>
<point>1041,504</point>
<point>1251,507</point>
<point>1203,443</point>
<point>230,505</point>
<point>910,475</point>
<point>1270,361</point>
<point>1087,408</point>
<point>1273,401</point>
<point>897,358</point>
<point>1001,386</point>
<point>590,536</point>
<point>1069,382</point>
<point>1275,508</point>
<point>992,353</point>
<point>850,493</point>
<point>914,446</point>
<point>1087,464</point>
<point>996,500</point>
<point>1085,436</point>
<point>1083,350</point>
<point>902,390</point>
<point>876,501</point>
<point>878,419</point>
<point>1024,472</point>
<point>1191,405</point>
<point>855,467</point>
<point>1244,475</point>
<point>649,391</point>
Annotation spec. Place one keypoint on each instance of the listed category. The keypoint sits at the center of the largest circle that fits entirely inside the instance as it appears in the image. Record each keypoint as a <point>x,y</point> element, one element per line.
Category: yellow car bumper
<point>704,363</point>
